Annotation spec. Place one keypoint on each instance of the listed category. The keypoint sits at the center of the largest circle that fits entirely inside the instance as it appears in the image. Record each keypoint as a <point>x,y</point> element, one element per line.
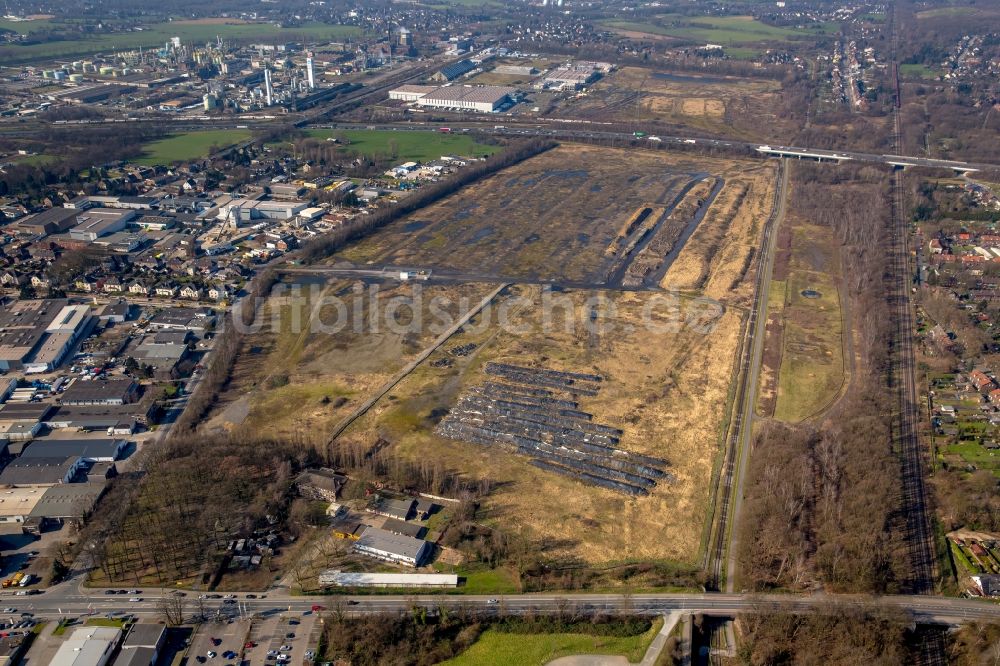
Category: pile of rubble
<point>534,412</point>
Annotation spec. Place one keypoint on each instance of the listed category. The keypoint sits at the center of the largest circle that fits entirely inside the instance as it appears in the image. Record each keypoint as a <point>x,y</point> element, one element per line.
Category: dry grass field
<point>666,389</point>
<point>300,375</point>
<point>803,370</point>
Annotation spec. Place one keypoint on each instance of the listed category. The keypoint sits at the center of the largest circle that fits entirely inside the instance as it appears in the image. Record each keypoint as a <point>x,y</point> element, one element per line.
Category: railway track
<point>919,533</point>
<point>729,490</point>
<point>920,540</point>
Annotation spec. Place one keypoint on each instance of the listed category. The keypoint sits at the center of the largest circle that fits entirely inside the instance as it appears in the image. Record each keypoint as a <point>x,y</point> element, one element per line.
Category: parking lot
<point>283,638</point>
<point>219,642</point>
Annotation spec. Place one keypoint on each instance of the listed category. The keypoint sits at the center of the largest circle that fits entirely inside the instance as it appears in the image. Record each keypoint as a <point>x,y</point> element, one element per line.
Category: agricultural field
<point>506,226</point>
<point>190,146</point>
<point>157,34</point>
<point>804,359</point>
<point>405,146</point>
<point>720,104</point>
<point>724,30</point>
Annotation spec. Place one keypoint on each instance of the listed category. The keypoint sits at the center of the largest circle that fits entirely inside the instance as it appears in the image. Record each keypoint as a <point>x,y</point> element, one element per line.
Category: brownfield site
<point>656,255</point>
<point>717,103</point>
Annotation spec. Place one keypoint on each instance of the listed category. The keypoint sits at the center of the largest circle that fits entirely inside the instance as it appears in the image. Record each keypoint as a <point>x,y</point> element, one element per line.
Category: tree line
<point>823,498</point>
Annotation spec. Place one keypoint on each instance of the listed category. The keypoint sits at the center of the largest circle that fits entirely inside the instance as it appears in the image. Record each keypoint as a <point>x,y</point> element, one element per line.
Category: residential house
<point>218,292</point>
<point>139,289</point>
<point>191,292</point>
<point>166,290</point>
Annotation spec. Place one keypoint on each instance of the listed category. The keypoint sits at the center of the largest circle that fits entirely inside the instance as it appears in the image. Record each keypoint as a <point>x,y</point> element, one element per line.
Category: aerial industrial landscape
<point>477,332</point>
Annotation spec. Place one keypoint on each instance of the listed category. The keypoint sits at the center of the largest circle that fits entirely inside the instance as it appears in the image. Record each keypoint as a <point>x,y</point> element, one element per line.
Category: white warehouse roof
<point>354,579</point>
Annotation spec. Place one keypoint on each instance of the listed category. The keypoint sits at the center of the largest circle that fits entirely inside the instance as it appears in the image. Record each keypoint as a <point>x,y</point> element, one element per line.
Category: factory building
<point>35,336</point>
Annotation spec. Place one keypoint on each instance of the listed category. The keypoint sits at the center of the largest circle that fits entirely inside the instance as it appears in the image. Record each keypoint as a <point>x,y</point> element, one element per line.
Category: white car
<point>210,654</point>
<point>135,600</point>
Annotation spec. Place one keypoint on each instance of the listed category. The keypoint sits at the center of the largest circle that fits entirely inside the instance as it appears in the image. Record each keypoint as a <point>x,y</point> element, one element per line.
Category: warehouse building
<point>516,70</point>
<point>454,70</point>
<point>41,471</point>
<point>16,504</point>
<point>395,548</point>
<point>245,210</point>
<point>35,336</point>
<point>90,450</point>
<point>335,578</point>
<point>485,99</point>
<point>111,391</point>
<point>411,93</point>
<point>51,221</point>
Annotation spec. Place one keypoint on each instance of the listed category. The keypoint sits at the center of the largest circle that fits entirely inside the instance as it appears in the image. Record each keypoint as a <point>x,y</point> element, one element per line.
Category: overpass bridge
<point>803,153</point>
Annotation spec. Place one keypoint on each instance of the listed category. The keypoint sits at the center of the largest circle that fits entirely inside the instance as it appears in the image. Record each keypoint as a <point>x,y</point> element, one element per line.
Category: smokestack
<point>309,73</point>
<point>267,86</point>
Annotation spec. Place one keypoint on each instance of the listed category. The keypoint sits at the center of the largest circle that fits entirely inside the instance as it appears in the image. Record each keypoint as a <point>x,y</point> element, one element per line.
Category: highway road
<point>69,600</point>
<point>555,128</point>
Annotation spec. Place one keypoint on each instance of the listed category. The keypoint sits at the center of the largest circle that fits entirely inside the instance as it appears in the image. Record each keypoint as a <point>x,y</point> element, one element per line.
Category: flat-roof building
<point>389,547</point>
<point>51,221</point>
<point>142,645</point>
<point>486,99</point>
<point>16,504</point>
<point>411,93</point>
<point>334,578</point>
<point>40,471</point>
<point>66,502</point>
<point>35,335</point>
<point>96,222</point>
<point>101,449</point>
<point>87,646</point>
<point>111,391</point>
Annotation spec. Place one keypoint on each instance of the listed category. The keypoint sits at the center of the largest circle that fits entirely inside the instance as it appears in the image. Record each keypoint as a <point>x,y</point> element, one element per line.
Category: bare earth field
<point>712,103</point>
<point>552,218</point>
<point>717,257</point>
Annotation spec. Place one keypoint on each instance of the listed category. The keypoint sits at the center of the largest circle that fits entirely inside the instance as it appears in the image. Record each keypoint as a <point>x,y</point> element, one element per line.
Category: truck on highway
<point>690,141</point>
<point>444,130</point>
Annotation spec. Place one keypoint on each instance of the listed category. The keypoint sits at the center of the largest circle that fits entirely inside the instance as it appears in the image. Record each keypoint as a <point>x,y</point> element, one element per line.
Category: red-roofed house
<point>980,380</point>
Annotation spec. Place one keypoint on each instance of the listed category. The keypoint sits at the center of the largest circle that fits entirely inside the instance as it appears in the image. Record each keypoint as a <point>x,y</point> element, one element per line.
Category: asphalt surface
<point>69,600</point>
